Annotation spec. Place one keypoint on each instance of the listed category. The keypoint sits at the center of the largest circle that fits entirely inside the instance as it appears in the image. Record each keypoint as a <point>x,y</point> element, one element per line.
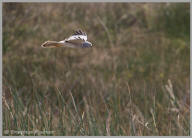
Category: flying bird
<point>77,40</point>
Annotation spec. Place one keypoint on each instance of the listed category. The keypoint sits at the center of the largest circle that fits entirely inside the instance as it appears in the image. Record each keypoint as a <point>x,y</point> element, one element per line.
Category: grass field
<point>133,81</point>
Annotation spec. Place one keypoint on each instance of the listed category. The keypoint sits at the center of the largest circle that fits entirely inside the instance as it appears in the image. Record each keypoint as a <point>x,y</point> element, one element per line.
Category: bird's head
<point>86,44</point>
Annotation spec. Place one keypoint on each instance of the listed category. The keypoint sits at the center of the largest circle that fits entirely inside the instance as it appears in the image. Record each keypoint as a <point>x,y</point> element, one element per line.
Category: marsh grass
<point>134,81</point>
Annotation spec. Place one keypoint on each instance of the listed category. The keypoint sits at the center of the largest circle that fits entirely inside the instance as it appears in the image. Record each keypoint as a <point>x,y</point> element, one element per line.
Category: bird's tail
<point>51,44</point>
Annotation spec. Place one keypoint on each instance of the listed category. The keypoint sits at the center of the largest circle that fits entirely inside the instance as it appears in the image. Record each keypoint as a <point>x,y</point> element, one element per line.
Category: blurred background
<point>133,81</point>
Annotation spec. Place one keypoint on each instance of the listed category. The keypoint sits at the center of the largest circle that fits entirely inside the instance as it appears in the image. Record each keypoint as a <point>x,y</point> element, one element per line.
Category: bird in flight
<point>77,40</point>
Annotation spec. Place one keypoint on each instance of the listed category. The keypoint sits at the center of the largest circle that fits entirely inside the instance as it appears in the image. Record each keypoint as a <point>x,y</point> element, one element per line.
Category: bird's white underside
<point>65,44</point>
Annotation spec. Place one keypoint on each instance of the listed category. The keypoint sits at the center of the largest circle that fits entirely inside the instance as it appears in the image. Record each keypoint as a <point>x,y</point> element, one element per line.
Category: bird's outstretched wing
<point>78,37</point>
<point>51,44</point>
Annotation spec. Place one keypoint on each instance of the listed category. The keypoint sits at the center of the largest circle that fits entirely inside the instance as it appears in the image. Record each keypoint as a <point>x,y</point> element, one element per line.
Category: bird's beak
<point>90,44</point>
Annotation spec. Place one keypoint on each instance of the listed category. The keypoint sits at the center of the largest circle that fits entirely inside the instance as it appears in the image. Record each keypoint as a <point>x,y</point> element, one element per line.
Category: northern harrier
<point>77,40</point>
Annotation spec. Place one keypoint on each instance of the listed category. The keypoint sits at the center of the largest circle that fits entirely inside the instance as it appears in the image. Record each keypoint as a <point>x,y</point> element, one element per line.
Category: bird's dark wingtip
<point>79,32</point>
